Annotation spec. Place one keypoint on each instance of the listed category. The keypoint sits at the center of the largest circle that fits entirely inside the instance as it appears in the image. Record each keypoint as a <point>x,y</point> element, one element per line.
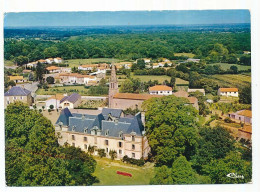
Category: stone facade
<point>113,87</point>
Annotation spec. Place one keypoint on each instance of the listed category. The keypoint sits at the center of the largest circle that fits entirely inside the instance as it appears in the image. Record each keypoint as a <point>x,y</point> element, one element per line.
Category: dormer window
<point>73,128</point>
<point>86,130</point>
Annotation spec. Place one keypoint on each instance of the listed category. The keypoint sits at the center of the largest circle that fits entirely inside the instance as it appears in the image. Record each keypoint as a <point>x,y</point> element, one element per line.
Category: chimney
<point>143,118</point>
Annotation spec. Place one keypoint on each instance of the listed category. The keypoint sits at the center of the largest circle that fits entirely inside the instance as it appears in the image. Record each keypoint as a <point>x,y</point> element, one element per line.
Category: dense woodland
<point>213,45</point>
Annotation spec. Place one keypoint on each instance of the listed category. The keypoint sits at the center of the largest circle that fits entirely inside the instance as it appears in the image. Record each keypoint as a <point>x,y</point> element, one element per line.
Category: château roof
<point>17,91</point>
<point>160,88</point>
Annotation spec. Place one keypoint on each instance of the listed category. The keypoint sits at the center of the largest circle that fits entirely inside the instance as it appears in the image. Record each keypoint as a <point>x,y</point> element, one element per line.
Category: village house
<point>244,116</point>
<point>17,79</point>
<point>58,60</point>
<point>245,132</point>
<point>42,61</point>
<point>87,67</point>
<point>17,94</point>
<point>109,130</point>
<point>75,78</point>
<point>26,71</point>
<point>50,60</point>
<point>32,65</point>
<point>72,101</point>
<point>192,100</point>
<point>194,90</point>
<point>160,90</point>
<point>53,69</point>
<point>193,60</point>
<point>54,100</point>
<point>157,65</point>
<point>228,92</point>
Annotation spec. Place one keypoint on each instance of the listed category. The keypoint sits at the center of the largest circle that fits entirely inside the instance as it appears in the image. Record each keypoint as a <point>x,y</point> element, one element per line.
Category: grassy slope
<point>60,90</point>
<point>77,62</point>
<point>8,63</point>
<point>229,80</point>
<point>106,172</point>
<point>226,66</point>
<point>146,78</point>
<point>190,55</point>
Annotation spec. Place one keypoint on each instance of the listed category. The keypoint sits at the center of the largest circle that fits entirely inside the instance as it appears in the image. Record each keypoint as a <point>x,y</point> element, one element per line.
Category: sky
<point>30,19</point>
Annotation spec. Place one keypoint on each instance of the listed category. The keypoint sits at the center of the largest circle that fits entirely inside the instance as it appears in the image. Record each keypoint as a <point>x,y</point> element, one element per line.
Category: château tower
<point>113,86</point>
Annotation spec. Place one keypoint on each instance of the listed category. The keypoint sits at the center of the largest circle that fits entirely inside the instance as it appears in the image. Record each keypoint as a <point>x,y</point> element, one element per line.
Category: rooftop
<point>246,113</point>
<point>228,89</point>
<point>160,88</point>
<point>15,78</point>
<point>72,98</point>
<point>17,91</point>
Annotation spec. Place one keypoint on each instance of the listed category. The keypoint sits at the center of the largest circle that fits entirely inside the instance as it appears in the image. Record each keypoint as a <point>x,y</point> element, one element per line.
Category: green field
<point>190,55</point>
<point>181,81</point>
<point>146,78</point>
<point>106,172</point>
<point>229,80</point>
<point>61,90</point>
<point>8,63</point>
<point>226,66</point>
<point>77,62</point>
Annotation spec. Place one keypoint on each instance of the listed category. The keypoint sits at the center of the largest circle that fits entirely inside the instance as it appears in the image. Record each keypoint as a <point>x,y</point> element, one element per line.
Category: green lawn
<point>77,62</point>
<point>8,63</point>
<point>106,172</point>
<point>181,81</point>
<point>146,78</point>
<point>226,66</point>
<point>190,55</point>
<point>61,90</point>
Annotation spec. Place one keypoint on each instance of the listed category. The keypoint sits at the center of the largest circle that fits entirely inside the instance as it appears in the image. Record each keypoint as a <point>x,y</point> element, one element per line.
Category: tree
<point>91,149</point>
<point>127,86</point>
<point>43,107</point>
<point>50,80</point>
<point>231,169</point>
<point>245,95</point>
<point>214,143</point>
<point>245,60</point>
<point>51,107</point>
<point>162,176</point>
<point>102,82</point>
<point>11,83</point>
<point>112,154</point>
<point>171,128</point>
<point>101,153</point>
<point>33,156</point>
<point>182,173</point>
<point>234,69</point>
<point>40,70</point>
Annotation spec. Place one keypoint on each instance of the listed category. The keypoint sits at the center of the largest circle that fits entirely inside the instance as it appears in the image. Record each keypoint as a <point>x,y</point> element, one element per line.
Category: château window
<point>73,137</point>
<point>95,140</point>
<point>120,144</point>
<point>85,130</point>
<point>133,155</point>
<point>85,139</point>
<point>133,138</point>
<point>107,132</point>
<point>107,150</point>
<point>120,151</point>
<point>86,146</point>
<point>73,144</point>
<point>106,142</point>
<point>133,147</point>
<point>73,128</point>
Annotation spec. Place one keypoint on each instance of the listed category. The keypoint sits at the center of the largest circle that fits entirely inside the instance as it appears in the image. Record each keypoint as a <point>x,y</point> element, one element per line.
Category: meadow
<point>61,90</point>
<point>229,80</point>
<point>106,172</point>
<point>190,55</point>
<point>226,66</point>
<point>78,62</point>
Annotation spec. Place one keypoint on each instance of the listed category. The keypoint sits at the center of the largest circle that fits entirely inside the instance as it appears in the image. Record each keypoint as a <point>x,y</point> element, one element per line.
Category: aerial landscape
<point>127,104</point>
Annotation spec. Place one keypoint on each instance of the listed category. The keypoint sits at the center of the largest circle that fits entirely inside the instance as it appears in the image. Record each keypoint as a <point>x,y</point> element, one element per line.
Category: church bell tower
<point>113,86</point>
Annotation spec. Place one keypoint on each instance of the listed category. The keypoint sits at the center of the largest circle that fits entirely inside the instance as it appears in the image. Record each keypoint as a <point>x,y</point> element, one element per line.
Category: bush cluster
<point>138,162</point>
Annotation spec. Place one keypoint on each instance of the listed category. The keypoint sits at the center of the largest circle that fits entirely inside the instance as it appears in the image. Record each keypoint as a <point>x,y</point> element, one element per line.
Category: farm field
<point>229,80</point>
<point>8,63</point>
<point>77,62</point>
<point>226,66</point>
<point>106,172</point>
<point>146,78</point>
<point>61,90</point>
<point>190,55</point>
<point>181,81</point>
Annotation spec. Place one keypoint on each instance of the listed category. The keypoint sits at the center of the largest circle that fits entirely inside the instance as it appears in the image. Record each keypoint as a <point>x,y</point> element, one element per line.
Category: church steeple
<point>113,86</point>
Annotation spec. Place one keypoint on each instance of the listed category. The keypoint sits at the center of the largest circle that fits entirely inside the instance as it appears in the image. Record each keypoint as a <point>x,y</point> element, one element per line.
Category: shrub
<point>112,154</point>
<point>138,162</point>
<point>101,153</point>
<point>228,120</point>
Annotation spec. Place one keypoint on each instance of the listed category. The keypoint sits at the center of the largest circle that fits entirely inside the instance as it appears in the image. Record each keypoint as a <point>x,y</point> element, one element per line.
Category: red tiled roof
<point>246,113</point>
<point>160,88</point>
<point>228,89</point>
